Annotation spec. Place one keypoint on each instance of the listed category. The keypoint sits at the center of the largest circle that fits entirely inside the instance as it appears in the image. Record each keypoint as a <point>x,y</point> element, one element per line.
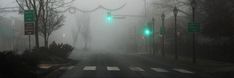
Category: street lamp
<point>163,32</point>
<point>175,11</point>
<point>193,5</point>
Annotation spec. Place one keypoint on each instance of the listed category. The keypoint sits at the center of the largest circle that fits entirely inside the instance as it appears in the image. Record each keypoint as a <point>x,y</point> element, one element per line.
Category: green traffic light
<point>109,17</point>
<point>147,32</point>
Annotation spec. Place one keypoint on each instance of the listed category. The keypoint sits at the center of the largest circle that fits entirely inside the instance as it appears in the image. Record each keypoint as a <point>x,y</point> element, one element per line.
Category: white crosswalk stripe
<point>62,68</point>
<point>89,68</point>
<point>116,68</point>
<point>113,68</point>
<point>159,70</point>
<point>70,67</point>
<point>183,71</point>
<point>136,69</point>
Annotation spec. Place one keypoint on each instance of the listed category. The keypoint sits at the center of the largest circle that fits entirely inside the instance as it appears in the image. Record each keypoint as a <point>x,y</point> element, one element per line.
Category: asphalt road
<point>109,65</point>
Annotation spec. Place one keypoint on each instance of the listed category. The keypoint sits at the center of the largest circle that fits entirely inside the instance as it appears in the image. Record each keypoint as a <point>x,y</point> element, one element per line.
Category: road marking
<point>62,68</point>
<point>136,69</point>
<point>159,70</point>
<point>92,68</point>
<point>183,71</point>
<point>70,67</point>
<point>113,68</point>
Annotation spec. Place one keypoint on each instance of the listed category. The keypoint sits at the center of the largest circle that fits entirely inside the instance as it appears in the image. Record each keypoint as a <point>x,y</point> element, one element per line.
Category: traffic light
<point>147,32</point>
<point>109,17</point>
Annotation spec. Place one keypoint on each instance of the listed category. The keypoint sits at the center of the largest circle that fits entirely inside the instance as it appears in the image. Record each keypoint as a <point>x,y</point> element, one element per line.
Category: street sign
<point>29,16</point>
<point>194,27</point>
<point>29,19</point>
<point>29,28</point>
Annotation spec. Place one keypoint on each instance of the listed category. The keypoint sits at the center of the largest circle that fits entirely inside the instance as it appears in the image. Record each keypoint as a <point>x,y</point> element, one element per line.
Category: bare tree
<point>82,30</point>
<point>168,5</point>
<point>76,31</point>
<point>86,31</point>
<point>51,21</point>
<point>40,6</point>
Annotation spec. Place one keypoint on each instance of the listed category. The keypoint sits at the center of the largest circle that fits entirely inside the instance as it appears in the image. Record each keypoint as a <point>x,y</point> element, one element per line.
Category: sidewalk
<point>201,64</point>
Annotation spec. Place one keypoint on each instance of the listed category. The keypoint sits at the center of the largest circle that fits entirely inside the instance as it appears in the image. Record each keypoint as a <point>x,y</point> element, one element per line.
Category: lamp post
<point>163,32</point>
<point>175,11</point>
<point>153,35</point>
<point>193,5</point>
<point>145,19</point>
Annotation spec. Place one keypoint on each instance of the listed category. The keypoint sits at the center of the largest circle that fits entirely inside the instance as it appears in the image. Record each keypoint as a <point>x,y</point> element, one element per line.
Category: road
<point>109,65</point>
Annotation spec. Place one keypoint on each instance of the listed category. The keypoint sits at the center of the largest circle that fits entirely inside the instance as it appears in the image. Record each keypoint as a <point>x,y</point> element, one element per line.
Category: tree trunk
<point>45,37</point>
<point>46,41</point>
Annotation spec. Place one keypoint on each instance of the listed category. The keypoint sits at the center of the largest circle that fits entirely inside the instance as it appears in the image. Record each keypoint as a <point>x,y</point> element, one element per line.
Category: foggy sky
<point>103,35</point>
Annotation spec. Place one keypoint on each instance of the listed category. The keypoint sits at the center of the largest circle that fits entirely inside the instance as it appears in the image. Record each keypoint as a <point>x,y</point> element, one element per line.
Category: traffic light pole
<point>194,48</point>
<point>163,38</point>
<point>153,48</point>
<point>136,45</point>
<point>176,54</point>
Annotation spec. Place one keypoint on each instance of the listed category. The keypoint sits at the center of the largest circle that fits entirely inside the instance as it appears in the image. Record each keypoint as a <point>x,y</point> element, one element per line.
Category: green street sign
<point>29,16</point>
<point>194,27</point>
<point>162,30</point>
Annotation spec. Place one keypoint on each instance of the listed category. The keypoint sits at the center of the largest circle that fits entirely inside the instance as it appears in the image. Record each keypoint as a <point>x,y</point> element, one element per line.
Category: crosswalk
<point>182,70</point>
<point>113,68</point>
<point>159,70</point>
<point>133,68</point>
<point>136,69</point>
<point>89,68</point>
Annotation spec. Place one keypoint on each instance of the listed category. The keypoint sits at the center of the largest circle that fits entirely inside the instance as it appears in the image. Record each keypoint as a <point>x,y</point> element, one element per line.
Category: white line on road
<point>159,70</point>
<point>70,67</point>
<point>62,68</point>
<point>113,68</point>
<point>183,71</point>
<point>92,68</point>
<point>136,69</point>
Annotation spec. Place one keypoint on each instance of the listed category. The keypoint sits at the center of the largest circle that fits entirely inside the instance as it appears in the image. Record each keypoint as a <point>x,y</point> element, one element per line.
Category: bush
<point>61,50</point>
<point>26,65</point>
<point>17,66</point>
<point>56,53</point>
<point>42,54</point>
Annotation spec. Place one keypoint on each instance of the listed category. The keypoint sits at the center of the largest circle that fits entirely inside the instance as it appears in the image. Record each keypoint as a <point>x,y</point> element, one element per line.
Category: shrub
<point>17,66</point>
<point>56,53</point>
<point>61,50</point>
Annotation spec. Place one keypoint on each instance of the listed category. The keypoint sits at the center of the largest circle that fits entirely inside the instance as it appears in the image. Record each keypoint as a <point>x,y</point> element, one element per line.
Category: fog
<point>89,30</point>
<point>104,36</point>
